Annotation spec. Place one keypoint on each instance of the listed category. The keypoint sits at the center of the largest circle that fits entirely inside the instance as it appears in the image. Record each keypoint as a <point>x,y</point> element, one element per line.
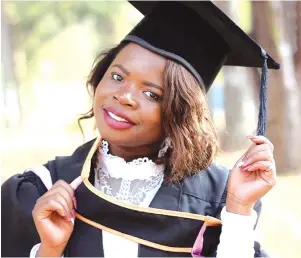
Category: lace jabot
<point>134,182</point>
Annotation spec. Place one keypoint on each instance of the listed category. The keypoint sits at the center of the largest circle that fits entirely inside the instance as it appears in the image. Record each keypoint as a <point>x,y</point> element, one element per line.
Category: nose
<point>125,98</point>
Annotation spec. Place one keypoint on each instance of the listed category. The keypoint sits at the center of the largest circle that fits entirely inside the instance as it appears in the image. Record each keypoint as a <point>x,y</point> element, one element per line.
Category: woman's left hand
<point>252,176</point>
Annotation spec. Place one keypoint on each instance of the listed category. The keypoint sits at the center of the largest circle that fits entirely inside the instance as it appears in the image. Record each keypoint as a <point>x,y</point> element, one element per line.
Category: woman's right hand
<point>53,216</point>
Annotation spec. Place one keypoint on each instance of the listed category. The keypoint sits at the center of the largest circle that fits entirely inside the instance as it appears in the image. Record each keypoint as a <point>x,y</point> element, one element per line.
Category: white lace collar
<point>141,168</point>
<point>134,182</point>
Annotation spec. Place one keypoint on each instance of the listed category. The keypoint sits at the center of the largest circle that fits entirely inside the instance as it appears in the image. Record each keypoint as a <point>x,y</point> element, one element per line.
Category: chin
<point>119,137</point>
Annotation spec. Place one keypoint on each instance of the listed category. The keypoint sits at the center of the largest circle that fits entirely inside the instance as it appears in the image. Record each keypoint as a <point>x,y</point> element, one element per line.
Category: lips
<point>117,120</point>
<point>118,115</point>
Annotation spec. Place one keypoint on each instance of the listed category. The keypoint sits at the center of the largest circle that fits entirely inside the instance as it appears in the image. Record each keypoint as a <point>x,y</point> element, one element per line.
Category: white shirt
<point>137,182</point>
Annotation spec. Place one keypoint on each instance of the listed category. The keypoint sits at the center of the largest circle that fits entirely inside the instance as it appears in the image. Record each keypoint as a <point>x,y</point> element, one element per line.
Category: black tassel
<point>261,126</point>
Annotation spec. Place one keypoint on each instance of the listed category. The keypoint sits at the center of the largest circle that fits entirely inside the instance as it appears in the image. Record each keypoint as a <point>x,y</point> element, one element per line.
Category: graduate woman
<point>148,185</point>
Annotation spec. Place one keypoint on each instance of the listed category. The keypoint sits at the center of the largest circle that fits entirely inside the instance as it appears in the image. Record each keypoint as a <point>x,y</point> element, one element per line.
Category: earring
<point>164,147</point>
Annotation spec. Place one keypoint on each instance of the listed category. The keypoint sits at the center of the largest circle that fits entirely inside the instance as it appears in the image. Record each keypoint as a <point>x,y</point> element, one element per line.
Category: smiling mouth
<point>117,118</point>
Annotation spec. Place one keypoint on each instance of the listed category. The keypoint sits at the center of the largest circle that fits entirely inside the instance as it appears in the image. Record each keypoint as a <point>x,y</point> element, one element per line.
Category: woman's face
<point>127,104</point>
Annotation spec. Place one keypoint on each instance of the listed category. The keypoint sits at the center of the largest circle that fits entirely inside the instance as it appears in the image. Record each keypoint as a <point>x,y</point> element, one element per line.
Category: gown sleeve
<point>18,197</point>
<point>258,251</point>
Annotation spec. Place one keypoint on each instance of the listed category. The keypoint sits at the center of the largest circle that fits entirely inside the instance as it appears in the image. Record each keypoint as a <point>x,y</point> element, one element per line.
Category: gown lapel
<point>168,197</point>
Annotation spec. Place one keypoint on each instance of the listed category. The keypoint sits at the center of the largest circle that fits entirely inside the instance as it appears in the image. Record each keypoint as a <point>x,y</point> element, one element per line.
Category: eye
<point>152,95</point>
<point>117,77</point>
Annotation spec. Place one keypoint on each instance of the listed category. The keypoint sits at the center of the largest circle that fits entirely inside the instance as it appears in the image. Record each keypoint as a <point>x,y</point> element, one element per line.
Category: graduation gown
<point>204,193</point>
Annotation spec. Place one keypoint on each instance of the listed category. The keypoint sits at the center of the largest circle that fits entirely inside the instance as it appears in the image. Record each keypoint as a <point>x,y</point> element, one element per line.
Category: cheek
<point>153,118</point>
<point>97,98</point>
<point>98,101</point>
<point>103,90</point>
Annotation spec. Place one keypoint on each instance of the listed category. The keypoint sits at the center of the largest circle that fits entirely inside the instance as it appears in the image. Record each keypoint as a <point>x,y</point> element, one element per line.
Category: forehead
<point>137,58</point>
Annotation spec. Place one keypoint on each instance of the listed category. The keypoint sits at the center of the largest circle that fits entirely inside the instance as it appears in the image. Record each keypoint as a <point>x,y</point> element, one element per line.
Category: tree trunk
<point>263,17</point>
<point>297,57</point>
<point>239,108</point>
<point>292,127</point>
<point>12,107</point>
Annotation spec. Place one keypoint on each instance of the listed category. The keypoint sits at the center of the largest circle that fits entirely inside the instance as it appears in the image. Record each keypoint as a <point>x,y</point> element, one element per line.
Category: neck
<point>134,152</point>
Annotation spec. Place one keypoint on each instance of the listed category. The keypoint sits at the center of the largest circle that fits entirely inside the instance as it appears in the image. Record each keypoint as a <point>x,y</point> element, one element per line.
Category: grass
<point>279,228</point>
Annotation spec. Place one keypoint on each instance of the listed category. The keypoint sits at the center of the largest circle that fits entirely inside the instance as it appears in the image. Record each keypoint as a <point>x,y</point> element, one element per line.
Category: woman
<point>150,177</point>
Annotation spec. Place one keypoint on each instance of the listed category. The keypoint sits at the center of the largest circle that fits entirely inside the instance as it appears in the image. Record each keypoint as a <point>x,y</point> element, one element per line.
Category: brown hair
<point>185,114</point>
<point>187,122</point>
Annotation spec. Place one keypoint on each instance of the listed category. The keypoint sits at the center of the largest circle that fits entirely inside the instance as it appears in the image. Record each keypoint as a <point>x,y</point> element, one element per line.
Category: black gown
<point>204,193</point>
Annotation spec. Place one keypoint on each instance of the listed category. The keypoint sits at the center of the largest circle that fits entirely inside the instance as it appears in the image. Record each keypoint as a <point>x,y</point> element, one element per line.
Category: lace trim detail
<point>133,191</point>
<point>105,150</point>
<point>134,182</point>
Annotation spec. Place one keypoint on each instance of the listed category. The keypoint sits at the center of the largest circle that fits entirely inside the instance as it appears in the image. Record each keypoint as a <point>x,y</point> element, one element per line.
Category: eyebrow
<point>150,84</point>
<point>153,85</point>
<point>122,68</point>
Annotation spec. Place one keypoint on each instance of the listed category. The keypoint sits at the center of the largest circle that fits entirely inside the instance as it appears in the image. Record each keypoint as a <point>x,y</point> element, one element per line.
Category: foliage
<point>37,22</point>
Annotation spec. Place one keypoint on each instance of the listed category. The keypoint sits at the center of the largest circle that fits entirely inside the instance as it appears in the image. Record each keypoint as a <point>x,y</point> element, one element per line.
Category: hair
<point>187,122</point>
<point>186,117</point>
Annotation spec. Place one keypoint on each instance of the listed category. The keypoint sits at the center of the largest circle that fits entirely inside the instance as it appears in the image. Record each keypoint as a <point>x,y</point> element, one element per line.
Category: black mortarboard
<point>202,38</point>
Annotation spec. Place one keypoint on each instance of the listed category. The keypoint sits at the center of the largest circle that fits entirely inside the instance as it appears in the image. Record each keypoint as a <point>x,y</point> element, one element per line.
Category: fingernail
<point>72,220</point>
<point>240,164</point>
<point>252,136</point>
<point>74,202</point>
<point>73,213</point>
<point>76,182</point>
<point>246,168</point>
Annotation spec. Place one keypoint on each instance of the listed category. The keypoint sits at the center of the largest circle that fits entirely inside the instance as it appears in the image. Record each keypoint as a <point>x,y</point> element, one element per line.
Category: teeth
<point>117,117</point>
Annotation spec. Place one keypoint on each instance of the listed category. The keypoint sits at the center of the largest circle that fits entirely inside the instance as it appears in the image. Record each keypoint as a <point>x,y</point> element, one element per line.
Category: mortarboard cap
<point>199,36</point>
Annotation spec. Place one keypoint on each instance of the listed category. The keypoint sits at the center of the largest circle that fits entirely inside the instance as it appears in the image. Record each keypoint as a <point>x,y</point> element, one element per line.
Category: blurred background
<point>47,51</point>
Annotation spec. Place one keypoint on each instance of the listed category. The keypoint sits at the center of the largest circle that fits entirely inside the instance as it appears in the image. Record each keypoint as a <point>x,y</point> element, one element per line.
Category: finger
<point>62,183</point>
<point>76,183</point>
<point>261,140</point>
<point>259,156</point>
<point>257,148</point>
<point>240,161</point>
<point>61,189</point>
<point>43,209</point>
<point>266,170</point>
<point>58,197</point>
<point>260,165</point>
<point>66,195</point>
<point>74,202</point>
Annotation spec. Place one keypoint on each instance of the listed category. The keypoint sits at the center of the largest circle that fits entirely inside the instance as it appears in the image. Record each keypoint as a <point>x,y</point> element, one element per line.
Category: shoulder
<point>208,185</point>
<point>18,197</point>
<point>19,194</point>
<point>30,182</point>
<point>19,185</point>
